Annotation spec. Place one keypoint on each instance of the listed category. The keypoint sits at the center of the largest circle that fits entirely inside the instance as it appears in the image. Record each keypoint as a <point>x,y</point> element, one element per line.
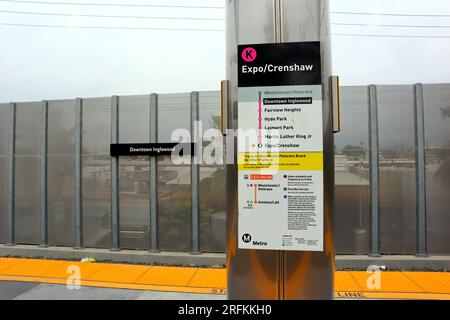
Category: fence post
<point>43,175</point>
<point>195,157</point>
<point>374,172</point>
<point>78,174</point>
<point>419,129</point>
<point>153,175</point>
<point>11,174</point>
<point>115,211</point>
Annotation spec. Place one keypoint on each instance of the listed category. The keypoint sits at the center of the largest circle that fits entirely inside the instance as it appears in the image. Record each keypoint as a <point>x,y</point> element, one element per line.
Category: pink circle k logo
<point>249,54</point>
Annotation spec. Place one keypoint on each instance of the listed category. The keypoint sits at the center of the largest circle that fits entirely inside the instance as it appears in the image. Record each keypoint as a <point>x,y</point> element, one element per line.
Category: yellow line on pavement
<point>348,284</point>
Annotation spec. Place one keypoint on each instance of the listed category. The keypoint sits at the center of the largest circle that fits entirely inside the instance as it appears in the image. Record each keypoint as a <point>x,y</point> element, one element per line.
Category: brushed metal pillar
<point>11,221</point>
<point>310,275</point>
<point>419,129</point>
<point>195,174</point>
<point>115,209</point>
<point>44,176</point>
<point>254,274</point>
<point>78,174</point>
<point>374,172</point>
<point>153,175</point>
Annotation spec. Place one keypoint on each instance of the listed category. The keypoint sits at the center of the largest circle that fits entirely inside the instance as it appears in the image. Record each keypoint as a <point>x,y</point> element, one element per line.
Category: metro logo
<point>246,238</point>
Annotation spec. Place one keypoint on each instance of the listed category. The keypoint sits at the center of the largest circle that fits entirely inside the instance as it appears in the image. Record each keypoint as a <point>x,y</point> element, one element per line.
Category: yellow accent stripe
<point>348,284</point>
<point>286,161</point>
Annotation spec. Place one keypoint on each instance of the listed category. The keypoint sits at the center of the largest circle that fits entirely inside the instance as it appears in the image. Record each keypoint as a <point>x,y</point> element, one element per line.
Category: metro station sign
<point>280,165</point>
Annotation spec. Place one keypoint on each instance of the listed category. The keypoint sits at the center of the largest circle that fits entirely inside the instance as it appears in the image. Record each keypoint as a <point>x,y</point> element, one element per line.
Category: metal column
<point>374,172</point>
<point>115,215</point>
<point>195,158</point>
<point>260,274</point>
<point>11,174</point>
<point>419,127</point>
<point>153,175</point>
<point>78,174</point>
<point>43,175</point>
<point>251,274</point>
<point>281,255</point>
<point>310,275</point>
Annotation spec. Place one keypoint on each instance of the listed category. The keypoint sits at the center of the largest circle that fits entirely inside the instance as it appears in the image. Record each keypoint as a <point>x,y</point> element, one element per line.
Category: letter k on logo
<point>249,54</point>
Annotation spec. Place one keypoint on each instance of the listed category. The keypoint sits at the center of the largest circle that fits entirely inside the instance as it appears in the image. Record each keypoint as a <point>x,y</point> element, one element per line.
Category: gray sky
<point>51,63</point>
<point>367,60</point>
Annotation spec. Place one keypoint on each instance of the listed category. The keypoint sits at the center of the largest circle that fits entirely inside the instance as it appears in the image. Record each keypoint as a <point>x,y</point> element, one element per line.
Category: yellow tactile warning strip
<point>173,276</point>
<point>430,283</point>
<point>348,284</point>
<point>390,281</point>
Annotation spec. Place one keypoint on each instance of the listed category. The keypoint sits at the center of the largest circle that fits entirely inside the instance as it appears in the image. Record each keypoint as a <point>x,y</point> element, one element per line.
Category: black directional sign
<point>279,64</point>
<point>151,149</point>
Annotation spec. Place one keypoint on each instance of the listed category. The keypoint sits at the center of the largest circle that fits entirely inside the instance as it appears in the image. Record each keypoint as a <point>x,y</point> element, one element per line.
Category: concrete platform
<point>36,291</point>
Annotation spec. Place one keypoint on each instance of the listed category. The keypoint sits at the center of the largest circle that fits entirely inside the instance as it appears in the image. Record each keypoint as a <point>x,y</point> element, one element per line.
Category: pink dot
<point>249,54</point>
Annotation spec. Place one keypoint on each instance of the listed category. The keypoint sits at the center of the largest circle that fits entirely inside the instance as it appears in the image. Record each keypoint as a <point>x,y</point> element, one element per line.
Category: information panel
<point>280,147</point>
